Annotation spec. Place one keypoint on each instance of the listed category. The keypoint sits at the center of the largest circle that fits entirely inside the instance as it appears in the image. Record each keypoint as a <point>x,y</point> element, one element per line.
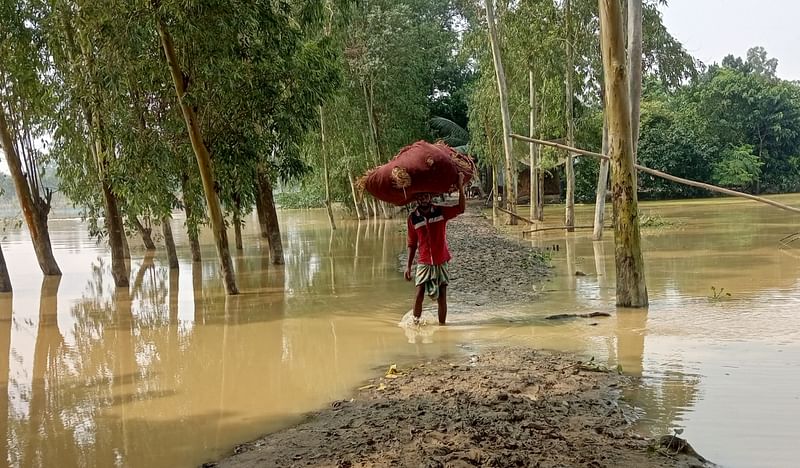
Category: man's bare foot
<point>442,324</point>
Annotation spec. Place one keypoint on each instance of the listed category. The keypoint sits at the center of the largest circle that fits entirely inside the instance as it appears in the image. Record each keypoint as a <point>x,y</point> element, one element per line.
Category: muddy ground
<point>497,407</point>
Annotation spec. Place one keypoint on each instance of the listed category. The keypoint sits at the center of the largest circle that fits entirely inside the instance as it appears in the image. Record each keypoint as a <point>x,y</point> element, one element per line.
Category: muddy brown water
<point>173,373</point>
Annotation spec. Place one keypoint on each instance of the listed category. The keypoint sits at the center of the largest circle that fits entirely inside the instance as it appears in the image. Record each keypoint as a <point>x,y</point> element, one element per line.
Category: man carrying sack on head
<point>427,233</point>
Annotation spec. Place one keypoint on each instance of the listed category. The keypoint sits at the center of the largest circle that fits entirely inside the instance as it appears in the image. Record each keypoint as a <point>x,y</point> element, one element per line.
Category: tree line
<point>732,124</point>
<point>149,106</point>
<point>145,107</point>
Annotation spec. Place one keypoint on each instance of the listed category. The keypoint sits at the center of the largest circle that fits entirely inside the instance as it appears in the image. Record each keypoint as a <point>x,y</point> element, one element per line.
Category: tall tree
<point>25,105</point>
<point>631,286</point>
<point>635,67</point>
<point>602,184</point>
<point>325,175</point>
<point>502,88</point>
<point>203,159</point>
<point>569,103</point>
<point>534,150</point>
<point>84,147</point>
<point>34,207</point>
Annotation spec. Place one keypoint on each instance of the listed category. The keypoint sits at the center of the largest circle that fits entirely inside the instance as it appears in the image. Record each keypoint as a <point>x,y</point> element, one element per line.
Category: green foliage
<point>737,167</point>
<point>308,197</point>
<point>448,131</point>
<point>671,142</point>
<point>91,79</point>
<point>537,258</point>
<point>655,221</point>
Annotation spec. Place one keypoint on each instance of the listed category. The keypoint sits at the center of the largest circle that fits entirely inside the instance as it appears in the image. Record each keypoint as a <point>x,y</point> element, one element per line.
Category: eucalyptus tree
<point>651,49</point>
<point>82,145</point>
<point>631,285</point>
<point>25,107</point>
<point>534,31</point>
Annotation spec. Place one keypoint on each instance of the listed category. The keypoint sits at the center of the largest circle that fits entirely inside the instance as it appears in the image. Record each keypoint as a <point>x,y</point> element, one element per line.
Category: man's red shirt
<point>429,233</point>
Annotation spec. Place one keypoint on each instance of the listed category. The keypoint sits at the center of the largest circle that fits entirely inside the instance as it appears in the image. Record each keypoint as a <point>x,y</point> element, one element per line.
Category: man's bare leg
<point>418,300</point>
<point>442,304</point>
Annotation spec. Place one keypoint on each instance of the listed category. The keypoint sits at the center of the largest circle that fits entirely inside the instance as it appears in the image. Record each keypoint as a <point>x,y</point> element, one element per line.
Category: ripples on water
<point>173,373</point>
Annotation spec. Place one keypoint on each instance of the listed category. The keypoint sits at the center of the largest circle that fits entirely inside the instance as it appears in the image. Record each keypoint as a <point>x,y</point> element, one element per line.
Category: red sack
<point>419,168</point>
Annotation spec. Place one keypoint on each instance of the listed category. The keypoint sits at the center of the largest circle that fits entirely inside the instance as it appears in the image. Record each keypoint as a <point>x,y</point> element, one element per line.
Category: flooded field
<point>173,373</point>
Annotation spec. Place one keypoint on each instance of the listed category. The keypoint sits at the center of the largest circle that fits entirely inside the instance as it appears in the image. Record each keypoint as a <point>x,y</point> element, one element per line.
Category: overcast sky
<point>712,29</point>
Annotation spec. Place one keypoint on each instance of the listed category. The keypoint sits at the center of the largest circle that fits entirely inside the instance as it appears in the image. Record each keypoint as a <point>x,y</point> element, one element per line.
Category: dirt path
<point>487,267</point>
<point>502,408</point>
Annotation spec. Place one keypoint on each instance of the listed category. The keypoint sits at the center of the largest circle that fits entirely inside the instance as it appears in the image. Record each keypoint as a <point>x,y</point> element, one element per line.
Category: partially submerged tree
<point>510,167</point>
<point>631,286</point>
<point>25,106</point>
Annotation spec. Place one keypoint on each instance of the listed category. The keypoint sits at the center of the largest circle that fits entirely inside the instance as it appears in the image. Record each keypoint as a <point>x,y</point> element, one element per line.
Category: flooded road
<point>173,373</point>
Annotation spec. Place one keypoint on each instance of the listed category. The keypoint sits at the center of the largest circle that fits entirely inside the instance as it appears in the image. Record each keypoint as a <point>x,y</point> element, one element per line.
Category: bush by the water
<point>299,200</point>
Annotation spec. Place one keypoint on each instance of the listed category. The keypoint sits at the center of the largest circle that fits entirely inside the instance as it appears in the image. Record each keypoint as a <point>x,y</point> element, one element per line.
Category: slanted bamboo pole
<point>521,218</point>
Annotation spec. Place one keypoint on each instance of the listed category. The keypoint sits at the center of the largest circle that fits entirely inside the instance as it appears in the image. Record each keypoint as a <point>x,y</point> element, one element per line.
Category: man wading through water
<point>427,231</point>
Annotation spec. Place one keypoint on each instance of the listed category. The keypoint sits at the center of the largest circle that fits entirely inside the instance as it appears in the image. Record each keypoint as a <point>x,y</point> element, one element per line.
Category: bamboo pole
<point>555,228</point>
<point>664,175</point>
<point>521,218</point>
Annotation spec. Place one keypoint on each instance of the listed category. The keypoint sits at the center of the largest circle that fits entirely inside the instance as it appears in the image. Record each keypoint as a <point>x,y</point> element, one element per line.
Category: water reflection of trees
<point>29,433</point>
<point>126,347</point>
<point>108,363</point>
<point>663,394</point>
<point>319,261</point>
<point>5,354</point>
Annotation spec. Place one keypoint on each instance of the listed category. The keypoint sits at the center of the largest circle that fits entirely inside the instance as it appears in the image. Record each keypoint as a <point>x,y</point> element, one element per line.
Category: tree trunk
<point>325,176</point>
<point>237,229</point>
<point>367,211</point>
<point>495,189</point>
<point>387,214</point>
<point>116,231</point>
<point>203,162</point>
<point>146,233</point>
<point>271,218</point>
<point>194,242</point>
<point>261,211</point>
<point>635,69</point>
<point>540,213</point>
<point>602,183</point>
<point>5,280</point>
<point>569,218</point>
<point>126,249</point>
<point>35,213</point>
<point>631,286</point>
<point>533,148</point>
<point>169,242</point>
<point>113,218</point>
<point>357,205</point>
<point>509,200</point>
<point>373,125</point>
